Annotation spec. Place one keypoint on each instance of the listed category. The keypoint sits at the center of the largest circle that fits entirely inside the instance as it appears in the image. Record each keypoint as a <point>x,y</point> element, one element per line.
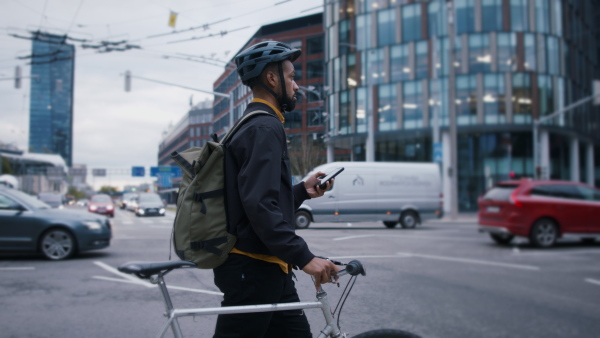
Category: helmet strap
<point>281,99</point>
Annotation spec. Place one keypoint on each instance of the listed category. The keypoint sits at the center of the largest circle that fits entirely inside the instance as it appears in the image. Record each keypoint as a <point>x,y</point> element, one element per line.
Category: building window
<point>466,99</point>
<point>559,17</point>
<point>507,52</point>
<point>315,117</point>
<point>553,55</point>
<point>530,52</point>
<point>371,5</point>
<point>480,56</point>
<point>314,69</point>
<point>542,16</point>
<point>344,36</point>
<point>519,15</point>
<point>344,118</point>
<point>412,104</point>
<point>293,120</point>
<point>465,16</point>
<point>545,95</point>
<point>421,60</point>
<point>521,100</point>
<point>400,62</point>
<point>491,15</point>
<point>298,71</point>
<point>494,99</point>
<point>315,45</point>
<point>411,22</point>
<point>386,27</point>
<point>387,107</point>
<point>363,31</point>
<point>373,70</point>
<point>361,110</point>
<point>351,71</point>
<point>437,18</point>
<point>438,101</point>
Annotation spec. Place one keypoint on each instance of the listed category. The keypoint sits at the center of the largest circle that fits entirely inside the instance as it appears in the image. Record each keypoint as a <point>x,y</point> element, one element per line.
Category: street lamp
<point>453,169</point>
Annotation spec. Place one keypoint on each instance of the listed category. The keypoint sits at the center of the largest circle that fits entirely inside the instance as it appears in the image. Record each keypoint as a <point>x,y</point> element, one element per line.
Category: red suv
<point>540,210</point>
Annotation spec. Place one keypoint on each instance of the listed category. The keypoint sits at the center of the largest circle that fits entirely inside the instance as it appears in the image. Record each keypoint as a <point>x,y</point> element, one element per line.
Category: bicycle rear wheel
<point>386,333</point>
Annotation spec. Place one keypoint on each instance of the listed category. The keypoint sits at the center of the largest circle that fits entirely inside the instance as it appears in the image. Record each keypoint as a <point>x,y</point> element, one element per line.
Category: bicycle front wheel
<point>386,333</point>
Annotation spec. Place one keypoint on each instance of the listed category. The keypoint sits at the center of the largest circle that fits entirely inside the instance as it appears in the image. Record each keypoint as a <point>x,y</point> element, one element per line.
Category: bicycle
<point>155,272</point>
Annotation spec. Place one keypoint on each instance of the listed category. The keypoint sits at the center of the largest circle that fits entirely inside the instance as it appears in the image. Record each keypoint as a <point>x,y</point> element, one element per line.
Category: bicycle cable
<point>343,298</point>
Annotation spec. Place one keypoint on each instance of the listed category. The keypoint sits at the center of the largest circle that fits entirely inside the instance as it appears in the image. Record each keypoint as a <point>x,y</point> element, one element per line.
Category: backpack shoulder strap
<point>241,121</point>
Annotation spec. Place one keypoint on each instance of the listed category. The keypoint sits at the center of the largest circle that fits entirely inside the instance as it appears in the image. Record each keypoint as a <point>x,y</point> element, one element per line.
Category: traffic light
<point>127,81</point>
<point>18,77</point>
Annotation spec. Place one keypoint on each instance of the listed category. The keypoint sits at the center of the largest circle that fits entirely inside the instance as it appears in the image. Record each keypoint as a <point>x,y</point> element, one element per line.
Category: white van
<point>391,192</point>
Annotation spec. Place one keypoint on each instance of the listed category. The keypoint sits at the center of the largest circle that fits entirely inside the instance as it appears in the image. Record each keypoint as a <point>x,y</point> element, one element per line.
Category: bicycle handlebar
<point>353,268</point>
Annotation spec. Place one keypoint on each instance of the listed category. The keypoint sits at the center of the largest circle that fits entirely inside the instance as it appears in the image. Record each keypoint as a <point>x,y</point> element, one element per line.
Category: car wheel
<point>409,219</point>
<point>302,219</point>
<point>544,233</point>
<point>57,244</point>
<point>502,238</point>
<point>390,224</point>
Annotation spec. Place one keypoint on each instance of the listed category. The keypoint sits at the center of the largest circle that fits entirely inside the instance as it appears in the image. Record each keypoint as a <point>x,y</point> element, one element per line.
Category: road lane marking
<point>410,237</point>
<point>473,261</point>
<point>592,281</point>
<point>17,268</point>
<point>126,278</point>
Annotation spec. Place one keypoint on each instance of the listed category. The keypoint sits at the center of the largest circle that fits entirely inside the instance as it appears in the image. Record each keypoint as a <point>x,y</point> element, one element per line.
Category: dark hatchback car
<point>542,211</point>
<point>149,204</point>
<point>30,225</point>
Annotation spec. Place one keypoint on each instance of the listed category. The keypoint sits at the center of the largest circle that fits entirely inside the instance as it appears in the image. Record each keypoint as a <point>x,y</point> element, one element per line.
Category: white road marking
<point>593,281</point>
<point>134,280</point>
<point>410,237</point>
<point>127,222</point>
<point>474,261</point>
<point>17,268</point>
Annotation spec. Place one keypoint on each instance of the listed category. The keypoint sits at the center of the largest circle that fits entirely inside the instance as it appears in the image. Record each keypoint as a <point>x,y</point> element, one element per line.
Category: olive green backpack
<point>200,228</point>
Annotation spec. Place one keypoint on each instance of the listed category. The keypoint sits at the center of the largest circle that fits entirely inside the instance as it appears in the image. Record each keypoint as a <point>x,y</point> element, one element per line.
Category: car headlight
<point>140,211</point>
<point>93,207</point>
<point>109,207</point>
<point>93,225</point>
<point>161,211</point>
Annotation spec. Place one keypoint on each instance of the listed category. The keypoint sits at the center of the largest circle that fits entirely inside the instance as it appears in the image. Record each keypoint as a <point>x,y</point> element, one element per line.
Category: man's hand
<point>312,189</point>
<point>321,270</point>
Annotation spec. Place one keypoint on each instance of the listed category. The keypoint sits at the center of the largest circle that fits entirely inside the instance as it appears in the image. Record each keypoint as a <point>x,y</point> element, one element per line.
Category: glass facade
<point>514,61</point>
<point>51,99</point>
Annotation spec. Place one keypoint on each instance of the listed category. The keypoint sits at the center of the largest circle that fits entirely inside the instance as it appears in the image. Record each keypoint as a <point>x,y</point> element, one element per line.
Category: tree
<point>76,193</point>
<point>306,154</point>
<point>106,189</point>
<point>6,167</point>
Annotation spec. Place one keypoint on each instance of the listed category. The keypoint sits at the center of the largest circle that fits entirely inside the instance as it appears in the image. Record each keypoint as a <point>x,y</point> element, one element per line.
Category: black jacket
<point>261,200</point>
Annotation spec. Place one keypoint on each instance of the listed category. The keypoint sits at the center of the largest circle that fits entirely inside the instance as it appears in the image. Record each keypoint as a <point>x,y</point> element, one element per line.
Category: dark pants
<point>248,281</point>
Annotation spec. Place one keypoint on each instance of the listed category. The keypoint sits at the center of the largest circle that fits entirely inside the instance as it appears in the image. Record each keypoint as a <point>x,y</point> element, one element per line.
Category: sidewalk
<point>463,217</point>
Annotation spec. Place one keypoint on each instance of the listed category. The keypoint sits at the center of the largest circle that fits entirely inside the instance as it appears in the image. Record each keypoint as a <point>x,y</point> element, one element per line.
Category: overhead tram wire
<point>204,26</point>
<point>221,33</point>
<point>74,17</point>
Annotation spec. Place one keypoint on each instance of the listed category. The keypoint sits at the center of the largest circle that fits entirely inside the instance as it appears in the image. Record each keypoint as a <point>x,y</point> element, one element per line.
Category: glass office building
<point>515,61</point>
<point>51,99</point>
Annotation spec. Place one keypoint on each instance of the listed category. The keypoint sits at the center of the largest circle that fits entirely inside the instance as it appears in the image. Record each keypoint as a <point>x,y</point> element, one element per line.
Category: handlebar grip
<point>355,267</point>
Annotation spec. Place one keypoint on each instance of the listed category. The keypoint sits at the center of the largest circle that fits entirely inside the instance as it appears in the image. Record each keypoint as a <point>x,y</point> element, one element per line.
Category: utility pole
<point>453,170</point>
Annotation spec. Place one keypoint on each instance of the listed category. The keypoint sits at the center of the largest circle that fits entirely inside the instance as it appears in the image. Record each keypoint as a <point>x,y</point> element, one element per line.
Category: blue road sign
<point>164,179</point>
<point>437,152</point>
<point>138,171</point>
<point>175,171</point>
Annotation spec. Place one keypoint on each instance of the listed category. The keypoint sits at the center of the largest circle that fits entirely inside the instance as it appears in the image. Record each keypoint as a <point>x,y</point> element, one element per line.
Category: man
<point>261,202</point>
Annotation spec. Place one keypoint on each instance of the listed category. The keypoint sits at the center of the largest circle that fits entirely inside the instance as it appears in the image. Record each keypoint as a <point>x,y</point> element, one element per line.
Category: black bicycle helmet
<point>251,62</point>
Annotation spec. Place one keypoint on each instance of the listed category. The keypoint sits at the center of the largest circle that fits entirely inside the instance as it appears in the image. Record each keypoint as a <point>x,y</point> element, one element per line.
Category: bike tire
<point>386,333</point>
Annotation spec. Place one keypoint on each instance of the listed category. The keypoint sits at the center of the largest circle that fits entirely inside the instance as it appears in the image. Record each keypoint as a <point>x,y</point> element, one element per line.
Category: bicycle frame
<point>331,329</point>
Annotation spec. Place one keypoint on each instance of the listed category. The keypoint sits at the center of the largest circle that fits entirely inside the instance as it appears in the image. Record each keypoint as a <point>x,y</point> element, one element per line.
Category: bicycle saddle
<point>147,269</point>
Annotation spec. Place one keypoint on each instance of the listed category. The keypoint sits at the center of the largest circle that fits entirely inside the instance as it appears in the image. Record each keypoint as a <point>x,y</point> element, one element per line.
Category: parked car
<point>30,225</point>
<point>542,211</point>
<point>125,199</point>
<point>149,204</point>
<point>102,204</point>
<point>405,193</point>
<point>83,202</point>
<point>53,199</point>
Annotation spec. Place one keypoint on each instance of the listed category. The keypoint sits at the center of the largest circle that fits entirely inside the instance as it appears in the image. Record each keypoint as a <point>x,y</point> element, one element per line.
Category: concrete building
<point>51,99</point>
<point>515,61</point>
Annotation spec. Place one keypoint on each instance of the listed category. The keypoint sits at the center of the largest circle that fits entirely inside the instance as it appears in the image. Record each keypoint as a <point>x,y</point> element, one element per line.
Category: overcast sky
<point>115,129</point>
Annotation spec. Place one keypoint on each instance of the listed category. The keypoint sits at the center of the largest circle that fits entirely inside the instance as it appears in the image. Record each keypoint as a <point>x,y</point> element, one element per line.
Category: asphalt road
<point>442,279</point>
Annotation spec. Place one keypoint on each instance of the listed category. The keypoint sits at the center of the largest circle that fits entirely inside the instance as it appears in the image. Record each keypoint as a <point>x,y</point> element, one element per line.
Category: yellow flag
<point>172,19</point>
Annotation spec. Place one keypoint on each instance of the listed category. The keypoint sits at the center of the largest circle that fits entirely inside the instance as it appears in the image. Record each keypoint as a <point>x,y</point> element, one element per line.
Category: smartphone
<point>328,177</point>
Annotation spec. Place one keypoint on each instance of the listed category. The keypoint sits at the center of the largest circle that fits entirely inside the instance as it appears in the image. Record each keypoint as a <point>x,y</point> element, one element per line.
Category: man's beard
<point>289,103</point>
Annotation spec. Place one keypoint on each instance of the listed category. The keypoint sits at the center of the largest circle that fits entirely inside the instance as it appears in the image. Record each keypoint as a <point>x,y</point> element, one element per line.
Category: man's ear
<point>272,79</point>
